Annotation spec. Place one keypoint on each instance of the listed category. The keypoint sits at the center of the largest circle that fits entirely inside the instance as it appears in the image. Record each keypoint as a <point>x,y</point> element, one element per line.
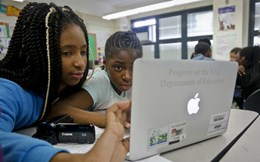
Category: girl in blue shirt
<point>48,58</point>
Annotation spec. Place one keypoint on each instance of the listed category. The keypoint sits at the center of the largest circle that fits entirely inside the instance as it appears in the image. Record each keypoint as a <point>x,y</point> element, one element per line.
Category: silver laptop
<point>176,103</point>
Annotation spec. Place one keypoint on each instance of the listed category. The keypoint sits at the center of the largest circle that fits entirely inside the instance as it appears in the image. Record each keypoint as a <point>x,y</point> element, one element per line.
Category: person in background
<point>203,41</point>
<point>48,58</point>
<point>234,53</point>
<point>202,52</point>
<point>108,85</point>
<point>249,80</point>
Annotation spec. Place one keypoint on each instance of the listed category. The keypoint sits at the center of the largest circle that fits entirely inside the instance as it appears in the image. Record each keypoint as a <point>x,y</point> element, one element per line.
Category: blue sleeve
<point>1,153</point>
<point>20,108</point>
<point>22,148</point>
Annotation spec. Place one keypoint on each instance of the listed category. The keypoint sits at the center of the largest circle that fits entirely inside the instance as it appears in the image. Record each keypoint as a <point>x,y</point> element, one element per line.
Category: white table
<point>247,148</point>
<point>207,150</point>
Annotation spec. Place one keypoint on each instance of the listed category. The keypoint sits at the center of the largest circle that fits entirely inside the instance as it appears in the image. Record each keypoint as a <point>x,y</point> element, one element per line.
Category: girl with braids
<point>109,84</point>
<point>249,70</point>
<point>48,58</point>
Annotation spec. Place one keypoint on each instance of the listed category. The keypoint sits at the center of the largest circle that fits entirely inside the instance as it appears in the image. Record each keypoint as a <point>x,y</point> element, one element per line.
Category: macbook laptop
<point>176,103</point>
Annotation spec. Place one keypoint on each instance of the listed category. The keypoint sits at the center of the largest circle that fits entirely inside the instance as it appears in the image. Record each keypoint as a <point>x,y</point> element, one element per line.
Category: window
<point>170,27</point>
<point>191,46</point>
<point>145,30</point>
<point>254,24</point>
<point>200,23</point>
<point>170,51</point>
<point>174,35</point>
<point>148,51</point>
<point>257,16</point>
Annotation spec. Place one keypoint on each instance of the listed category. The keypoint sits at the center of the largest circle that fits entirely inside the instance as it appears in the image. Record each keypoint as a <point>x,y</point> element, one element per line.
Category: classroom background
<point>168,33</point>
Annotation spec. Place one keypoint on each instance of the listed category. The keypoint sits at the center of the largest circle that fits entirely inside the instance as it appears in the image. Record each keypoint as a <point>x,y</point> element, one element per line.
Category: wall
<point>102,28</point>
<point>8,19</point>
<point>226,39</point>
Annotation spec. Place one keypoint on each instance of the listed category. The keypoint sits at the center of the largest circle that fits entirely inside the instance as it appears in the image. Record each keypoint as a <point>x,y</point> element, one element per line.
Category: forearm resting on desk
<point>110,147</point>
<point>79,115</point>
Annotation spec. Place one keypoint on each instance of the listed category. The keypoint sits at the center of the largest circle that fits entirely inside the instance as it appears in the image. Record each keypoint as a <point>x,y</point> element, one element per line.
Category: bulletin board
<point>92,46</point>
<point>5,34</point>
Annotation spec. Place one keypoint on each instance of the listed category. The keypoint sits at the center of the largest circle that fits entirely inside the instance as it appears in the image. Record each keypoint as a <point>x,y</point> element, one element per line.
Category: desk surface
<point>209,149</point>
<point>247,148</point>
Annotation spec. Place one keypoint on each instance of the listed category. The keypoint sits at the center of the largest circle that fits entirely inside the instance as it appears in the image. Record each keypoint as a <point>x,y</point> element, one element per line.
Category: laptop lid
<point>176,103</point>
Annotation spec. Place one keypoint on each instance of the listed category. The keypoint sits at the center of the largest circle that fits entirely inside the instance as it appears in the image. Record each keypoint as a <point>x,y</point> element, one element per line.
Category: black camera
<point>61,129</point>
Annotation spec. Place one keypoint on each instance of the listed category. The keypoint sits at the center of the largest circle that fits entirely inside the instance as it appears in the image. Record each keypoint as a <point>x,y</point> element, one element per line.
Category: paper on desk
<point>83,148</point>
<point>156,158</point>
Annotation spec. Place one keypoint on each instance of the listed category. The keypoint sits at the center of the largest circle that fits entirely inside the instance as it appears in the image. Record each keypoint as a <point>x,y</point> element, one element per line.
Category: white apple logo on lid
<point>193,104</point>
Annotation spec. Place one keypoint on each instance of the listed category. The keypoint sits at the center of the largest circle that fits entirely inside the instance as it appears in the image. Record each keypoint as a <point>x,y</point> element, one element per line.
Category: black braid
<point>26,61</point>
<point>25,50</point>
<point>122,40</point>
<point>251,63</point>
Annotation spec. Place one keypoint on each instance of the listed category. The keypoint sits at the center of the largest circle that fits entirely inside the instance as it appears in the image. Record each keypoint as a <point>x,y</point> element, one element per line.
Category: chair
<point>252,102</point>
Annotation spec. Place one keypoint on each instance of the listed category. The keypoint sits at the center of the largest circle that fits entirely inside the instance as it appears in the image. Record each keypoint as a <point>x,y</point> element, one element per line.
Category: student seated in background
<point>234,55</point>
<point>202,52</point>
<point>48,58</point>
<point>203,41</point>
<point>249,80</point>
<point>108,85</point>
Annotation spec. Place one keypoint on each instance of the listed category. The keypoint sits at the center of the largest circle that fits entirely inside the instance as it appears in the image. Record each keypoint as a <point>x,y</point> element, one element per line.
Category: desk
<point>203,151</point>
<point>207,150</point>
<point>247,148</point>
<point>71,147</point>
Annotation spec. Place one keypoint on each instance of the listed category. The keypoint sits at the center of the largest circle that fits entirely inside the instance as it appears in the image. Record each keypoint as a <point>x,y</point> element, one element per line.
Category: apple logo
<point>193,104</point>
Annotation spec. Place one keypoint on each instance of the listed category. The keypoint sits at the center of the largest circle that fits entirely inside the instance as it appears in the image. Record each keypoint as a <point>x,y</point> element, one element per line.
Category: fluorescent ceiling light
<point>19,0</point>
<point>148,8</point>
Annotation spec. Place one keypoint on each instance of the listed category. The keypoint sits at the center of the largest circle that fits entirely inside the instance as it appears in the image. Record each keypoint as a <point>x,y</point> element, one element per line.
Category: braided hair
<point>122,40</point>
<point>33,59</point>
<point>251,63</point>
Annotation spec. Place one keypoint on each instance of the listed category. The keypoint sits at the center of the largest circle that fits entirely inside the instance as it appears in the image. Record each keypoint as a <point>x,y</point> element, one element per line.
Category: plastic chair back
<point>252,102</point>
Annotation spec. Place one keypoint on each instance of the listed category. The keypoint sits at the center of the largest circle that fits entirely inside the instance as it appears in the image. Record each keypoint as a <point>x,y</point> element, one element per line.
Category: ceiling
<point>101,7</point>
